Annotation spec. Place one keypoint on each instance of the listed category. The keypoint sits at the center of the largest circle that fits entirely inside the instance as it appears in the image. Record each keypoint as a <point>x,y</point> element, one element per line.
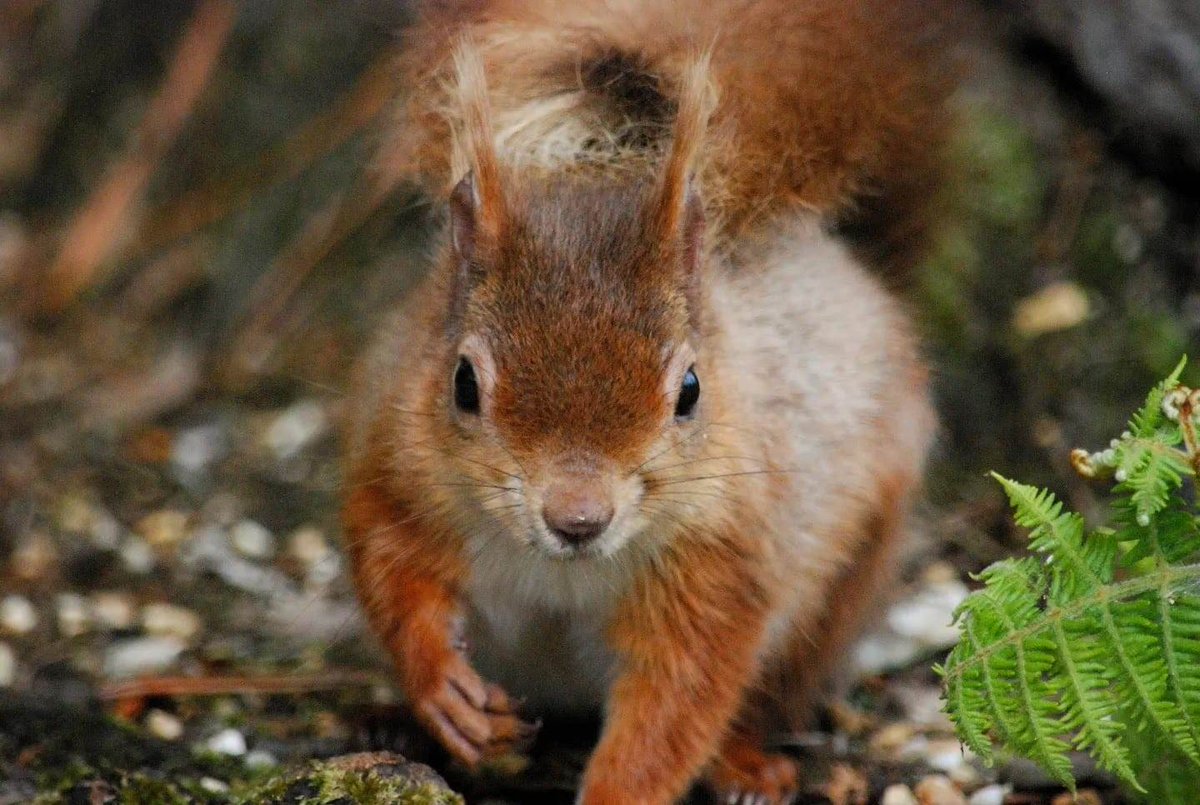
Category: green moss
<point>140,789</point>
<point>327,785</point>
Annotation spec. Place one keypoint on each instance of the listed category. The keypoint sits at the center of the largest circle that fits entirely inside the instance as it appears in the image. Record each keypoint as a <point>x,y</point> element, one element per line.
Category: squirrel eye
<point>689,394</point>
<point>466,389</point>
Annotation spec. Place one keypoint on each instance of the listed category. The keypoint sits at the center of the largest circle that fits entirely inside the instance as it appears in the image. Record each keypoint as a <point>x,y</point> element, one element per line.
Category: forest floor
<point>175,615</point>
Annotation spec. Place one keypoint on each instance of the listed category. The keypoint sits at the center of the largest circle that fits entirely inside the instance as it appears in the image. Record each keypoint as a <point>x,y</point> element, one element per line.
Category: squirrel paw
<point>746,775</point>
<point>472,719</point>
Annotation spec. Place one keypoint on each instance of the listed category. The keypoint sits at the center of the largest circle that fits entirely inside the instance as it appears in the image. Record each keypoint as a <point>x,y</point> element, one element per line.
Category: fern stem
<point>1168,577</point>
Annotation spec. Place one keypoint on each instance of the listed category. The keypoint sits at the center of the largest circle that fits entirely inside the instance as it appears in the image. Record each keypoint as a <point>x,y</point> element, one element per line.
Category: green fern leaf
<point>1094,641</point>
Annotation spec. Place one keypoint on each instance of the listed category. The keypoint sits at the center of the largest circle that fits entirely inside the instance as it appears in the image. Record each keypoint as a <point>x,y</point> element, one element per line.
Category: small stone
<point>34,556</point>
<point>136,555</point>
<point>990,795</point>
<point>8,666</point>
<point>170,620</point>
<point>252,539</point>
<point>898,795</point>
<point>260,759</point>
<point>113,611</point>
<point>295,428</point>
<point>78,515</point>
<point>846,786</point>
<point>889,740</point>
<point>940,573</point>
<point>162,724</point>
<point>926,616</point>
<point>74,616</point>
<point>915,749</point>
<point>214,786</point>
<point>194,449</point>
<point>1084,796</point>
<point>1059,306</point>
<point>17,615</point>
<point>308,546</point>
<point>945,754</point>
<point>163,529</point>
<point>141,655</point>
<point>938,790</point>
<point>227,742</point>
<point>965,775</point>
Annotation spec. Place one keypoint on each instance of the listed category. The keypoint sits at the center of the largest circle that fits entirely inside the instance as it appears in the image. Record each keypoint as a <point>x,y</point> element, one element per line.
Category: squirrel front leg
<point>688,635</point>
<point>407,580</point>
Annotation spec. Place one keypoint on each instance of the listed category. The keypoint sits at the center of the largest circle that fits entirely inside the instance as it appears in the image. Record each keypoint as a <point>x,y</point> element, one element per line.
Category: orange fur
<point>829,106</point>
<point>549,351</point>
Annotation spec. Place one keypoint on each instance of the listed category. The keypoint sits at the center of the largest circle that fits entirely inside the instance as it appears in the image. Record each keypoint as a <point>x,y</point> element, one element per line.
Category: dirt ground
<point>174,605</point>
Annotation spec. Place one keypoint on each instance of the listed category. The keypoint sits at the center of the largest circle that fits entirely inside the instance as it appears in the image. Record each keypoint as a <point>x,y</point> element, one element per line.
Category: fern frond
<point>1149,417</point>
<point>1094,641</point>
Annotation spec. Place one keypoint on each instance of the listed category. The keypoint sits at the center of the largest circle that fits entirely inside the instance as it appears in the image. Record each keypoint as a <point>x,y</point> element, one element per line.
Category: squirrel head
<point>574,361</point>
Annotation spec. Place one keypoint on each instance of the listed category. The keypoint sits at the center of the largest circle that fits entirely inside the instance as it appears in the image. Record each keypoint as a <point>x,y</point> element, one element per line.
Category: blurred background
<point>196,240</point>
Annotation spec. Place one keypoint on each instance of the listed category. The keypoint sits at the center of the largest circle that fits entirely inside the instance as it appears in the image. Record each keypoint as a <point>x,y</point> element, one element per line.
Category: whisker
<point>755,459</point>
<point>723,475</point>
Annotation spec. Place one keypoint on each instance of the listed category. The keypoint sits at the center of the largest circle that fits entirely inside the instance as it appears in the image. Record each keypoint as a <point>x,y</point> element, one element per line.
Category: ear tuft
<point>464,202</point>
<point>479,192</point>
<point>676,189</point>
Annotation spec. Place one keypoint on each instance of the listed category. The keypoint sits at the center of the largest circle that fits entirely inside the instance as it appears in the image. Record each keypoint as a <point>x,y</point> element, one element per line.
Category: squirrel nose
<point>576,513</point>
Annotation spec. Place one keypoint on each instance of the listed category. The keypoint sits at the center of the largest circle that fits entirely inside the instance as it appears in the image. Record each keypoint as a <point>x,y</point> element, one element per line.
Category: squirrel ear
<point>464,206</point>
<point>676,199</point>
<point>477,202</point>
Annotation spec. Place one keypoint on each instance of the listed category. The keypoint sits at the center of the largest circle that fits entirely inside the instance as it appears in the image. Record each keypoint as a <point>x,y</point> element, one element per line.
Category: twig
<point>92,236</point>
<point>256,340</point>
<point>267,684</point>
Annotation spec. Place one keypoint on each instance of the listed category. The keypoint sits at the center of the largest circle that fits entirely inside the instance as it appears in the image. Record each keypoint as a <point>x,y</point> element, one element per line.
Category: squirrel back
<point>832,107</point>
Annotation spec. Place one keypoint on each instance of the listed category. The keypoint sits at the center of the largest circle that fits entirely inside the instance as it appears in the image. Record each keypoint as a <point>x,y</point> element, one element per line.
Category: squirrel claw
<point>472,719</point>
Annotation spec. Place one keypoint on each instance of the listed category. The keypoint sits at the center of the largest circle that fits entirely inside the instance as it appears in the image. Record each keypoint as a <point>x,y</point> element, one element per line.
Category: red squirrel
<point>644,439</point>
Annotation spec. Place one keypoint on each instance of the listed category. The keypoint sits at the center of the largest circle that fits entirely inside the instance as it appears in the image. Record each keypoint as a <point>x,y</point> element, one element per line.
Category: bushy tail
<point>829,106</point>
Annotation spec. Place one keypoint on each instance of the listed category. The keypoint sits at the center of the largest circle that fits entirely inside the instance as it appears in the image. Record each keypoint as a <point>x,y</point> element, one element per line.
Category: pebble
<point>214,786</point>
<point>17,615</point>
<point>137,556</point>
<point>898,795</point>
<point>34,556</point>
<point>938,790</point>
<point>965,774</point>
<point>10,345</point>
<point>163,529</point>
<point>227,742</point>
<point>891,739</point>
<point>260,759</point>
<point>926,616</point>
<point>252,539</point>
<point>295,428</point>
<point>170,620</point>
<point>141,655</point>
<point>113,611</point>
<point>1058,306</point>
<point>194,449</point>
<point>990,795</point>
<point>308,546</point>
<point>8,665</point>
<point>945,754</point>
<point>163,725</point>
<point>72,613</point>
<point>914,627</point>
<point>78,515</point>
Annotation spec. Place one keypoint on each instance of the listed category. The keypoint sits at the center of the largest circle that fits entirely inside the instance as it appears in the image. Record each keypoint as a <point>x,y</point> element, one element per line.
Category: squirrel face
<point>573,354</point>
<point>573,371</point>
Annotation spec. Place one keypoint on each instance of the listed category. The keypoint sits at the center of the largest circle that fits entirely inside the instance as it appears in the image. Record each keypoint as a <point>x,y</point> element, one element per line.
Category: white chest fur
<point>536,625</point>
